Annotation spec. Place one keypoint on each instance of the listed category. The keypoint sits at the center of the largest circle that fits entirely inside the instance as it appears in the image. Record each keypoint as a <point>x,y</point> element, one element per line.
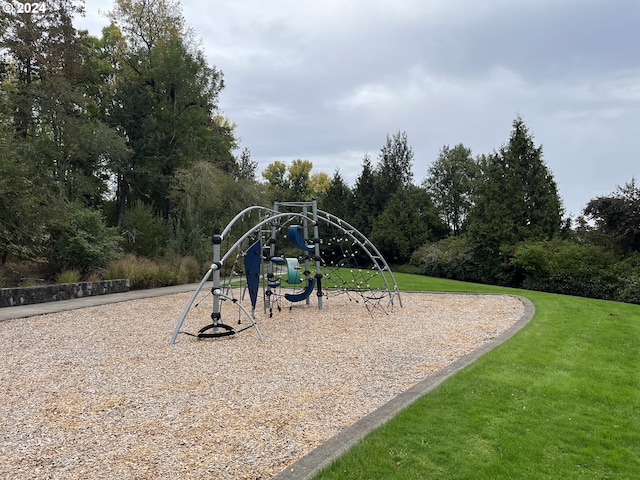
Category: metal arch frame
<point>271,215</point>
<point>368,248</point>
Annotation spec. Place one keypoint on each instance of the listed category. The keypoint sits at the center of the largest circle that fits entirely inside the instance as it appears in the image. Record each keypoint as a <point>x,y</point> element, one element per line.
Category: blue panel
<point>252,261</point>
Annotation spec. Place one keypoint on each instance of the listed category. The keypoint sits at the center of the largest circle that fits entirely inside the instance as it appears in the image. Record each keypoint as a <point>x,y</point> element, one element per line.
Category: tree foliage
<point>451,180</point>
<point>338,198</point>
<point>364,194</point>
<point>165,103</point>
<point>617,217</point>
<point>394,168</point>
<point>294,183</point>
<point>517,197</point>
<point>407,222</point>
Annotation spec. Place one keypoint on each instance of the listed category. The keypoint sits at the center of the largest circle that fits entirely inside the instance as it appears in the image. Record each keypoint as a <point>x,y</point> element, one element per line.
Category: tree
<point>451,183</point>
<point>364,197</point>
<point>617,217</point>
<point>48,85</point>
<point>205,196</point>
<point>299,176</point>
<point>393,171</point>
<point>516,200</point>
<point>276,176</point>
<point>27,197</point>
<point>319,183</point>
<point>294,183</point>
<point>338,198</point>
<point>408,221</point>
<point>166,102</point>
<point>247,168</point>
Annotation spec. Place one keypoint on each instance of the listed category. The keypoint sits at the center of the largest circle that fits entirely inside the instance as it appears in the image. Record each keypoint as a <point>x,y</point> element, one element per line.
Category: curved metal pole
<point>338,223</point>
<point>255,227</point>
<point>253,320</point>
<point>242,214</point>
<point>190,303</point>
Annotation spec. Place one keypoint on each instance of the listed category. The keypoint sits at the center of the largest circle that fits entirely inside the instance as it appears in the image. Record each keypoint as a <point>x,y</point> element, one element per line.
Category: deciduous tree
<point>451,183</point>
<point>617,217</point>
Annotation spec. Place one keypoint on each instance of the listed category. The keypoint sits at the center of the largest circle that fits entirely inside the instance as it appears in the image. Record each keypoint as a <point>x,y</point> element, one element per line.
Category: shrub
<point>24,273</point>
<point>188,270</point>
<point>629,291</point>
<point>146,273</point>
<point>84,242</point>
<point>145,234</point>
<point>567,267</point>
<point>447,258</point>
<point>69,276</point>
<point>189,239</point>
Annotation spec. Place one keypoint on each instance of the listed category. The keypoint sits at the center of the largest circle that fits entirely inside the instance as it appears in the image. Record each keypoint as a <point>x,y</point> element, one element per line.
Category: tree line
<point>115,145</point>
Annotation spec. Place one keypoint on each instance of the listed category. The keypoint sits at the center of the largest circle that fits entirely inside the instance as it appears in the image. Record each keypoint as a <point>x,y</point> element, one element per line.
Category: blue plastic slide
<point>298,297</point>
<point>295,237</point>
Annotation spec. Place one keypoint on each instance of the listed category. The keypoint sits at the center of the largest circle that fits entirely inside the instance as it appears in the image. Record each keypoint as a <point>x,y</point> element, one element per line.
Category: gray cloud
<point>327,81</point>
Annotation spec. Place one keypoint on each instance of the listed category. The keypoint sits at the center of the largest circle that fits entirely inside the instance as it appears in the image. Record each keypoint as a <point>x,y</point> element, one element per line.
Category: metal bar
<point>189,304</point>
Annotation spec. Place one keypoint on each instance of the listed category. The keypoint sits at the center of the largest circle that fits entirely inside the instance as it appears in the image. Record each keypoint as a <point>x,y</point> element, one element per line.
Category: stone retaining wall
<point>12,297</point>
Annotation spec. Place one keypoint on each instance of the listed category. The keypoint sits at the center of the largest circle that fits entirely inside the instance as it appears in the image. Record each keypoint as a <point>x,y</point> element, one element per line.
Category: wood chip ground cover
<point>99,392</point>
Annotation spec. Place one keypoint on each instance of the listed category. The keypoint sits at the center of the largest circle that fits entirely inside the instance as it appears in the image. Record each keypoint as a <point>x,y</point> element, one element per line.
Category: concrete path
<point>8,313</point>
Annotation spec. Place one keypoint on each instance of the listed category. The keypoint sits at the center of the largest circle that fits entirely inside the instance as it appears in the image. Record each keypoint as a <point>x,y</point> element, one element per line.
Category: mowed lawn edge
<point>560,399</point>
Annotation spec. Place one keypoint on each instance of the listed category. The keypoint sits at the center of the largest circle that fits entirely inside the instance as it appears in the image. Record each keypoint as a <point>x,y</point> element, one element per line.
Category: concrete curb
<point>309,465</point>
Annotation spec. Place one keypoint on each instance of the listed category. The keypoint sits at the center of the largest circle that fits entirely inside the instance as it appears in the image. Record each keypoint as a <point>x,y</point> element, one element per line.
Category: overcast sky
<point>327,80</point>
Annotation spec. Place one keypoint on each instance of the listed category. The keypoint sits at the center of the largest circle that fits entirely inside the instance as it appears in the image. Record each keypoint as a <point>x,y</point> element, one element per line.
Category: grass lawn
<point>559,400</point>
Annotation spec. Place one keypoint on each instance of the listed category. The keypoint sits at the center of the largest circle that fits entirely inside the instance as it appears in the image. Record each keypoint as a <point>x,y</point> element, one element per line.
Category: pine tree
<point>517,198</point>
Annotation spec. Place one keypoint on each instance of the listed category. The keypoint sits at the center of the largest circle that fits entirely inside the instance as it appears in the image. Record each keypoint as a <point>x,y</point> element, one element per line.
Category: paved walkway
<point>8,313</point>
<point>309,465</point>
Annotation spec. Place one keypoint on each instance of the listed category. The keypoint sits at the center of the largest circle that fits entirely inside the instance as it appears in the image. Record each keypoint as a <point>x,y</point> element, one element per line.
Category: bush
<point>629,291</point>
<point>84,243</point>
<point>21,274</point>
<point>190,239</point>
<point>447,258</point>
<point>69,276</point>
<point>146,273</point>
<point>145,234</point>
<point>188,270</point>
<point>567,267</point>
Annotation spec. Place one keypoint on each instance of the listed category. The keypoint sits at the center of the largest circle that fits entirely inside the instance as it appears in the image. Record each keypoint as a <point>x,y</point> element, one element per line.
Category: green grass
<point>559,400</point>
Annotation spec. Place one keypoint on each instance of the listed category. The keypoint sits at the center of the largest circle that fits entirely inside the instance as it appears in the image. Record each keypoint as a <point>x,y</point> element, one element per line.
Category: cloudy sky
<point>327,80</point>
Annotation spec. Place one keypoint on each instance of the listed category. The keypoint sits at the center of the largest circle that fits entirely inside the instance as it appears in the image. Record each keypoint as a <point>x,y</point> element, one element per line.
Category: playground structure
<point>345,262</point>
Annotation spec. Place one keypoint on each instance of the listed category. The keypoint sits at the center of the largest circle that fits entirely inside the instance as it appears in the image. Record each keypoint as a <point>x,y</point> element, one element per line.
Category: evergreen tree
<point>408,221</point>
<point>393,171</point>
<point>247,168</point>
<point>338,199</point>
<point>517,199</point>
<point>364,197</point>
